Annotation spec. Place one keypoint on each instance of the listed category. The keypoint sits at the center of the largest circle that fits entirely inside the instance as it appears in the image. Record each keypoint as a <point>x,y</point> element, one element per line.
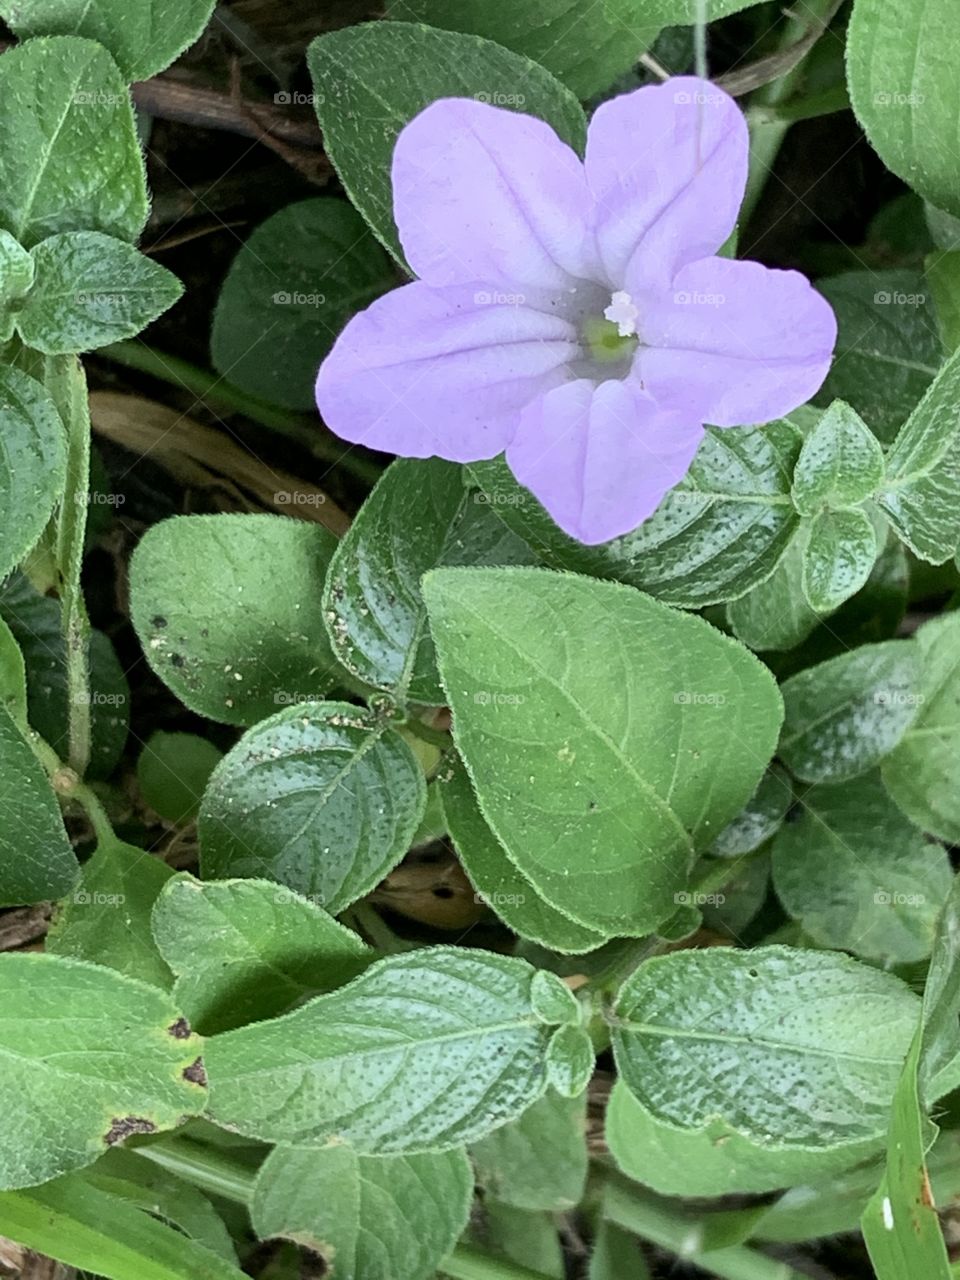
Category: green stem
<point>683,1234</point>
<point>64,379</point>
<point>219,1174</point>
<point>214,389</point>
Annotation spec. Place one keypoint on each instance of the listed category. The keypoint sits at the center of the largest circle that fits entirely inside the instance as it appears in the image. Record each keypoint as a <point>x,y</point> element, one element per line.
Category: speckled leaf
<point>860,876</point>
<point>66,1100</point>
<point>775,614</point>
<point>227,608</point>
<point>539,1160</point>
<point>714,537</point>
<point>839,551</point>
<point>32,464</point>
<point>904,93</point>
<point>418,516</point>
<point>922,491</point>
<point>888,347</point>
<point>759,819</point>
<point>798,1048</point>
<point>13,677</point>
<point>90,290</point>
<point>372,79</point>
<point>840,464</point>
<point>570,1061</point>
<point>64,100</point>
<point>605,734</point>
<point>923,773</point>
<point>323,798</point>
<point>244,950</point>
<point>369,1218</point>
<point>715,1160</point>
<point>16,277</point>
<point>501,885</point>
<point>106,918</point>
<point>36,858</point>
<point>144,37</point>
<point>425,1051</point>
<point>291,288</point>
<point>844,715</point>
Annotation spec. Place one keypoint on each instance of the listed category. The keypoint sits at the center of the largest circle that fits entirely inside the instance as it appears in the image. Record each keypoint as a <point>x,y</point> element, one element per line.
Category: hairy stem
<point>64,379</point>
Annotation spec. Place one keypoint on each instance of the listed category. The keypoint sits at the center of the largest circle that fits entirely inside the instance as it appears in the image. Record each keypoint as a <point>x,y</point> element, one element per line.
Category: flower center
<point>613,336</point>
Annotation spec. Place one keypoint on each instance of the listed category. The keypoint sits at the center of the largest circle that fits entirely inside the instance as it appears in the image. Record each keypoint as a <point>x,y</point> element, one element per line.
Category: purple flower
<point>573,312</point>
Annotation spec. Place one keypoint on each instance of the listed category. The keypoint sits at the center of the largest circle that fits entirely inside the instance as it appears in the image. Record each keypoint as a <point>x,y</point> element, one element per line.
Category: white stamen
<point>622,313</point>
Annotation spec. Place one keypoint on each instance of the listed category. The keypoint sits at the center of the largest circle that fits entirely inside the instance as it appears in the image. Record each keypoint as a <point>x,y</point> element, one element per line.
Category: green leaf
<point>844,715</point>
<point>923,772</point>
<point>244,950</point>
<point>418,516</point>
<point>34,621</point>
<point>570,1061</point>
<point>922,491</point>
<point>323,798</point>
<point>539,1160</point>
<point>16,279</point>
<point>501,885</point>
<point>36,858</point>
<point>858,875</point>
<point>714,536</point>
<point>528,1240</point>
<point>90,290</point>
<point>69,155</point>
<point>565,693</point>
<point>369,1218</point>
<point>425,1051</point>
<point>840,464</point>
<point>943,275</point>
<point>616,1254</point>
<point>759,819</point>
<point>776,614</point>
<point>839,552</point>
<point>714,1160</point>
<point>32,463</point>
<point>90,1057</point>
<point>292,287</point>
<point>227,609</point>
<point>790,1047</point>
<point>85,1225</point>
<point>173,770</point>
<point>143,38</point>
<point>107,917</point>
<point>588,49</point>
<point>904,94</point>
<point>888,349</point>
<point>13,678</point>
<point>371,80</point>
